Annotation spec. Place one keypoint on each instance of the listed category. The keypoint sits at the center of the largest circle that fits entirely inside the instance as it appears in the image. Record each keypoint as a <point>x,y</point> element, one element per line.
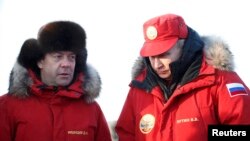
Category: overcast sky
<point>114,34</point>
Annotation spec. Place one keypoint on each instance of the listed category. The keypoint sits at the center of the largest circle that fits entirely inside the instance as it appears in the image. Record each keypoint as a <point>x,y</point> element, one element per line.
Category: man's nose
<point>65,62</point>
<point>157,62</point>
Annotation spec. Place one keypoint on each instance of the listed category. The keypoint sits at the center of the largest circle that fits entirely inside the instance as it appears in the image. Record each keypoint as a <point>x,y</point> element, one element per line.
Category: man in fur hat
<point>52,90</point>
<point>181,84</point>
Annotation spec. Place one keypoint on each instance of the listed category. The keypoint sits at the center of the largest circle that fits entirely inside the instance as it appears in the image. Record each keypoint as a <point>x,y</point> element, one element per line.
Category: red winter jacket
<point>40,113</point>
<point>206,99</point>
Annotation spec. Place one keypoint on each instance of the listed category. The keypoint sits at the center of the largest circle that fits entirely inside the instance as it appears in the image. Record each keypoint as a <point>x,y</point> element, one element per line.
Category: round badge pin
<point>151,32</point>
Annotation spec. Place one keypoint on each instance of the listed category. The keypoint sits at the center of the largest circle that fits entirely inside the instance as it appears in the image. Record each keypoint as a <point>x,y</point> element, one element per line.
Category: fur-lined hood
<point>216,50</point>
<point>20,81</point>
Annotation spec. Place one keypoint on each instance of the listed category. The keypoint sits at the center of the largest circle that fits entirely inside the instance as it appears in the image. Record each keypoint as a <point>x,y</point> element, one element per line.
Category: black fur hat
<point>55,36</point>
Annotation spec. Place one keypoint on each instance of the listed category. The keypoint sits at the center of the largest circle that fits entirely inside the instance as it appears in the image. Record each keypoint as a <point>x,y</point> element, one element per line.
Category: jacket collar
<point>22,81</point>
<point>217,53</point>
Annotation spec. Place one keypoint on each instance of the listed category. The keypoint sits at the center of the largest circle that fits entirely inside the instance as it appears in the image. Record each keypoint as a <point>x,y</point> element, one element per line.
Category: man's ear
<point>40,64</point>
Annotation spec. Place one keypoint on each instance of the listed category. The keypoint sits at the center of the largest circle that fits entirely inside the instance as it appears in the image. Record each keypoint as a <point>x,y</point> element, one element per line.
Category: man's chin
<point>64,82</point>
<point>165,76</point>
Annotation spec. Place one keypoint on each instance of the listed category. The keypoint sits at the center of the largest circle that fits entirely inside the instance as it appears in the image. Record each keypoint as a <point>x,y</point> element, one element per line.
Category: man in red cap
<point>52,90</point>
<point>181,84</point>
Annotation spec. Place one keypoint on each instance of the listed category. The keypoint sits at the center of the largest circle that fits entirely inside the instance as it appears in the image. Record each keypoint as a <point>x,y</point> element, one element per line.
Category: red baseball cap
<point>161,34</point>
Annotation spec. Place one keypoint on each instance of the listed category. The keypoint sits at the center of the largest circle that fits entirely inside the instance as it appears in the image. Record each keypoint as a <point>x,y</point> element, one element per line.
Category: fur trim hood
<point>217,54</point>
<point>20,81</point>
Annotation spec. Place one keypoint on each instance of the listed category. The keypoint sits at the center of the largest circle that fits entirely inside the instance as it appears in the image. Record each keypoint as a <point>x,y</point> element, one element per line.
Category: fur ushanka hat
<point>55,36</point>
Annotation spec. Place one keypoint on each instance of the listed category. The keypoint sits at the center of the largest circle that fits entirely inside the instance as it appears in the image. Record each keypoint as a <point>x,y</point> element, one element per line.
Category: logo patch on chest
<point>147,123</point>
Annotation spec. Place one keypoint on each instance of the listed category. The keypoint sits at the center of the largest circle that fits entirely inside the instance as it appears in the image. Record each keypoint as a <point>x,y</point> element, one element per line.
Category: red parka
<point>32,111</point>
<point>207,98</point>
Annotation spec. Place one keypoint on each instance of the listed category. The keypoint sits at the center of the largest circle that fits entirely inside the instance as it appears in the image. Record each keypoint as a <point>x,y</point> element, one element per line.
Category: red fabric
<point>48,115</point>
<point>189,111</point>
